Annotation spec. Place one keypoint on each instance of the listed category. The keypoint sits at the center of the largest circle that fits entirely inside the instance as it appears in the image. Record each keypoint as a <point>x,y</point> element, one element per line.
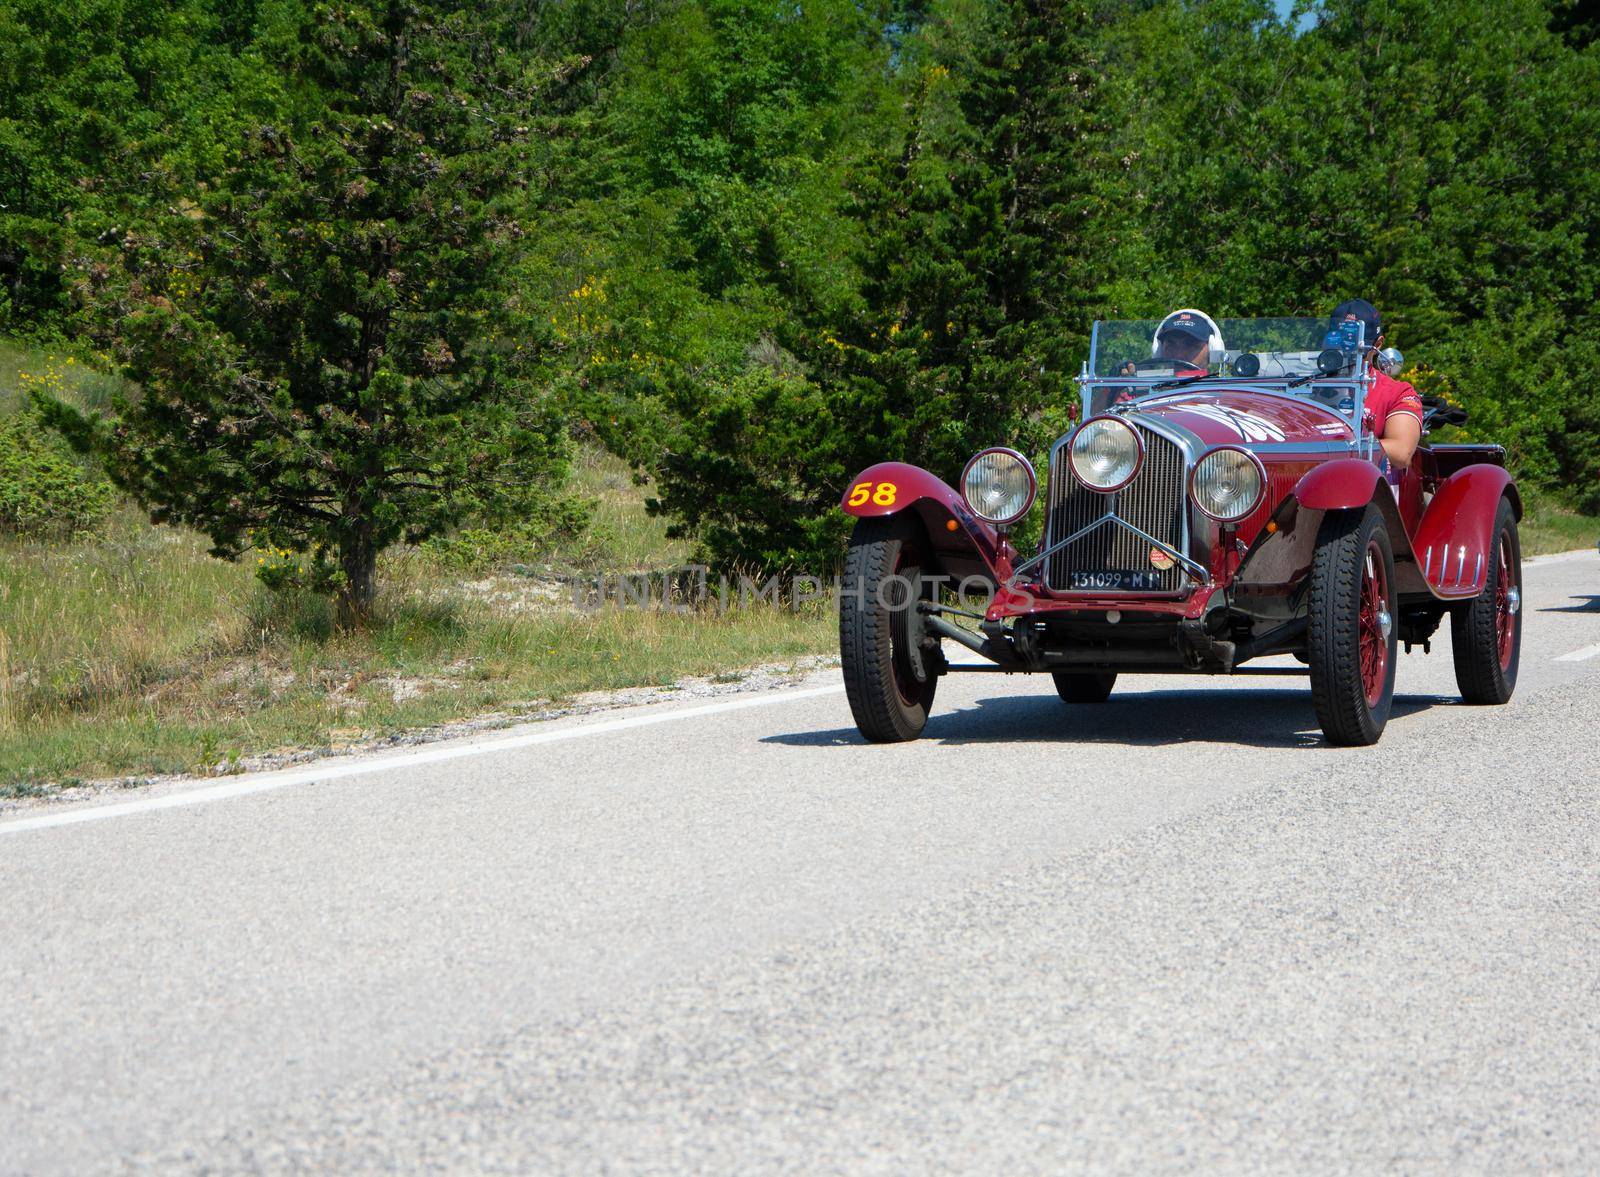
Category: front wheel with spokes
<point>1351,643</point>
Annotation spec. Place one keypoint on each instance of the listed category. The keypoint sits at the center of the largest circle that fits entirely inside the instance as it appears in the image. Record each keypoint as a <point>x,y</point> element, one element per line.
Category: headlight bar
<point>1193,567</point>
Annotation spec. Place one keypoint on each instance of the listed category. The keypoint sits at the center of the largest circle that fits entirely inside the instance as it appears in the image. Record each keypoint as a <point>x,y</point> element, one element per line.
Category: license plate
<point>1103,581</point>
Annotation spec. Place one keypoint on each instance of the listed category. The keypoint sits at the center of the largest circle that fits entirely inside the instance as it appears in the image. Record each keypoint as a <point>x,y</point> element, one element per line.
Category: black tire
<point>878,625</point>
<point>1486,635</point>
<point>1350,648</point>
<point>1077,687</point>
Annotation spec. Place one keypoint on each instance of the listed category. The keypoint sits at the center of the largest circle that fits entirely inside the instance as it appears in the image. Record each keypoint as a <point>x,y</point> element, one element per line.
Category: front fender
<point>1454,541</point>
<point>1339,485</point>
<point>890,488</point>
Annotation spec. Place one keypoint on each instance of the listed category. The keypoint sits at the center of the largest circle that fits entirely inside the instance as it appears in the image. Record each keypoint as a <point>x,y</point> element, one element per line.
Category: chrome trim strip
<point>1291,448</point>
<point>1461,564</point>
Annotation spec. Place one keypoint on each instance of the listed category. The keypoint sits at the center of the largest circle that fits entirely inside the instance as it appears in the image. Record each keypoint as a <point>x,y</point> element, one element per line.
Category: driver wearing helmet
<point>1189,339</point>
<point>1393,410</point>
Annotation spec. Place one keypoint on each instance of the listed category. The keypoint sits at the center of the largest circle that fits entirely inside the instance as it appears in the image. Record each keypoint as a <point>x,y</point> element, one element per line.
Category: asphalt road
<point>1171,933</point>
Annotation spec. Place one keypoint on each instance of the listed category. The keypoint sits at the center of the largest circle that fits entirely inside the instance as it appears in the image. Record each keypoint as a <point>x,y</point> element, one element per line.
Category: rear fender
<point>1453,541</point>
<point>970,547</point>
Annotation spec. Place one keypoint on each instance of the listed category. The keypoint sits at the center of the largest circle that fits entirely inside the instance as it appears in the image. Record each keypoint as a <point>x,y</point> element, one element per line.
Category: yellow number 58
<point>863,492</point>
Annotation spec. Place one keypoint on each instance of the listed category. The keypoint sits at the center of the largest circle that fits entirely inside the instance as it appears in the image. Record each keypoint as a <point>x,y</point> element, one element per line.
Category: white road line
<point>1582,655</point>
<point>265,782</point>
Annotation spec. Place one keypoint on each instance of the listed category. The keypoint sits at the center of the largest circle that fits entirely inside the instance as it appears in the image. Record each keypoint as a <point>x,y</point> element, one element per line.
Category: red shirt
<point>1388,398</point>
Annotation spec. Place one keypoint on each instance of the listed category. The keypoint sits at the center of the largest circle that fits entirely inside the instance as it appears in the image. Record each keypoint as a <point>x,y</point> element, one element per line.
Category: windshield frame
<point>1358,383</point>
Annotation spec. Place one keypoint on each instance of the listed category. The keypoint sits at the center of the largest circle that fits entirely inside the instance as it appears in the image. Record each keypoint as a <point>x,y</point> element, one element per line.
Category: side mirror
<point>1390,361</point>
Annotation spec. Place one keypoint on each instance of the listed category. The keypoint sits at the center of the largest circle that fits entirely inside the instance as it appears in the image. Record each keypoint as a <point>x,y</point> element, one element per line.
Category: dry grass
<point>140,654</point>
<point>632,538</point>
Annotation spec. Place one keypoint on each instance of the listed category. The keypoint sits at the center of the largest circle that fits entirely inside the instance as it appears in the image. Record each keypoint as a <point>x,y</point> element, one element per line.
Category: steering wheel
<point>1157,364</point>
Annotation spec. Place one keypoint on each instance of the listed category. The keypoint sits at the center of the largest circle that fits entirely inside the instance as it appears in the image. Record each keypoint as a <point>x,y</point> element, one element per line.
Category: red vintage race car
<point>1199,517</point>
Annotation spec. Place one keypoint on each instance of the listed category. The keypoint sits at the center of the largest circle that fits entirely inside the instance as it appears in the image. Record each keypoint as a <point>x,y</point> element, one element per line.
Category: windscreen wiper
<point>1186,380</point>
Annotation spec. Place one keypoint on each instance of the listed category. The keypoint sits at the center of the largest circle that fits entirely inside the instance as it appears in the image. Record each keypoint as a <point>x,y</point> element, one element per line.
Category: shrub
<point>44,489</point>
<point>549,525</point>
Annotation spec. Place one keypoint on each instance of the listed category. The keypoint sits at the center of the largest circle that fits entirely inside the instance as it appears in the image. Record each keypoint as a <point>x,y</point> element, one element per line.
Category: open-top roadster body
<point>1195,520</point>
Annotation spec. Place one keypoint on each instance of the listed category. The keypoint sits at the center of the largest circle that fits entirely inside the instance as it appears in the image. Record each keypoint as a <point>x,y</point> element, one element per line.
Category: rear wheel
<point>889,677</point>
<point>1486,635</point>
<point>1075,687</point>
<point>1351,631</point>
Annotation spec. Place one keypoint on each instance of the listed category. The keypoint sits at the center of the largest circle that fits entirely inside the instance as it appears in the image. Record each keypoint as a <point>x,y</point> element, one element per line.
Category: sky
<point>1285,6</point>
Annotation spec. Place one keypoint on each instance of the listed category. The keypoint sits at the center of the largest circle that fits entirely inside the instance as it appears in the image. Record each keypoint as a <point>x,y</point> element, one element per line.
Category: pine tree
<point>320,339</point>
<point>977,283</point>
<point>971,307</point>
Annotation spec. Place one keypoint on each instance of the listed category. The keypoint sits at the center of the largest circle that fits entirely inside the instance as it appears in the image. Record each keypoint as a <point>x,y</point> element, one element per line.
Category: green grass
<point>61,372</point>
<point>1548,527</point>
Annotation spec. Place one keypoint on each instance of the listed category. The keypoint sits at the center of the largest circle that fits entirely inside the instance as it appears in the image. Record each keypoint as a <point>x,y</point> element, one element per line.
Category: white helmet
<point>1193,323</point>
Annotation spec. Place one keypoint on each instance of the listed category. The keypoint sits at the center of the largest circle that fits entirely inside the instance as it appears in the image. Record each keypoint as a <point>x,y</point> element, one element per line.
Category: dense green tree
<point>320,338</point>
<point>979,273</point>
<point>754,248</point>
<point>108,108</point>
<point>1441,159</point>
<point>972,296</point>
<point>725,145</point>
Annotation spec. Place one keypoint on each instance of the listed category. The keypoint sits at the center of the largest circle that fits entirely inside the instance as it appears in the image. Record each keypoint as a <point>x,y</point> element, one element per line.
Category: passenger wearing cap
<point>1393,410</point>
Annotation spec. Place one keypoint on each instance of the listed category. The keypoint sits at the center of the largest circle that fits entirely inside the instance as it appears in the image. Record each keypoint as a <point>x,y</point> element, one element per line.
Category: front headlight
<point>1227,484</point>
<point>998,485</point>
<point>1105,454</point>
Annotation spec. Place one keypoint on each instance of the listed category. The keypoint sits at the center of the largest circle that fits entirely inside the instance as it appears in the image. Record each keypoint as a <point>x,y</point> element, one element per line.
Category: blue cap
<point>1362,312</point>
<point>1185,323</point>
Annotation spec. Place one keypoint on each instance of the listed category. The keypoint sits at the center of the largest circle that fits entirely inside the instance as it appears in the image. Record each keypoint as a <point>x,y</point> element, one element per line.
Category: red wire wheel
<point>1351,630</point>
<point>1377,619</point>
<point>1486,633</point>
<point>1507,601</point>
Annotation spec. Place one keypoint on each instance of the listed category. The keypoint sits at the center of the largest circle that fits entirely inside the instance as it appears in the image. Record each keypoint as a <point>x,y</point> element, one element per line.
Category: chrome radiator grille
<point>1154,502</point>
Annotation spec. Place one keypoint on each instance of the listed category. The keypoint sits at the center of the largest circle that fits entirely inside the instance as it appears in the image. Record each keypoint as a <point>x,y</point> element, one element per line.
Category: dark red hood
<point>1235,416</point>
